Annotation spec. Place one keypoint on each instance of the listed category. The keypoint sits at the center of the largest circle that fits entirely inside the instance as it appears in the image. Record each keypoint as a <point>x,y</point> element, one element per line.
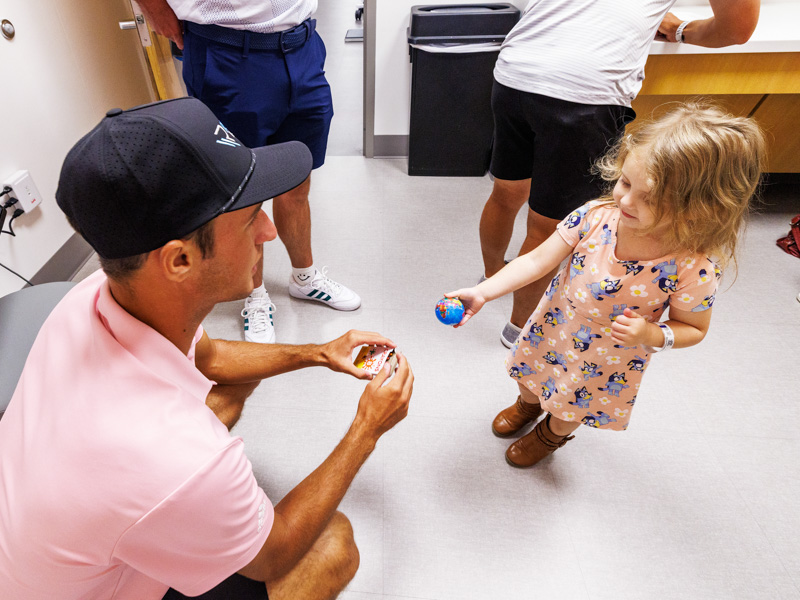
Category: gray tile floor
<point>697,500</point>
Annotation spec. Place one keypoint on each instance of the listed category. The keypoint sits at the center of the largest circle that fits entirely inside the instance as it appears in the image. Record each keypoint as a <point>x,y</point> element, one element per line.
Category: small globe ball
<point>449,310</point>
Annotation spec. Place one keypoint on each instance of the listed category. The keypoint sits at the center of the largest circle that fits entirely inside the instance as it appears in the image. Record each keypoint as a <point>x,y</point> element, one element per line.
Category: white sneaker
<point>258,325</point>
<point>325,290</point>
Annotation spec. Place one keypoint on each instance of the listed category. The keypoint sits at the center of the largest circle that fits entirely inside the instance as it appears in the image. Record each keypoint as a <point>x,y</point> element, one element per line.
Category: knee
<point>294,198</point>
<point>341,550</point>
<point>510,195</point>
<point>539,228</point>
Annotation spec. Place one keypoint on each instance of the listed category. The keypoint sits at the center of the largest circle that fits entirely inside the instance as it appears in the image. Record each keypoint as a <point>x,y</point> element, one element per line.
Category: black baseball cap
<point>157,172</point>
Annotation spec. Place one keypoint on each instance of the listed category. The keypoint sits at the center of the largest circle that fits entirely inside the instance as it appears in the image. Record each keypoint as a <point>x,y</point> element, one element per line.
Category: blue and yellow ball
<point>449,311</point>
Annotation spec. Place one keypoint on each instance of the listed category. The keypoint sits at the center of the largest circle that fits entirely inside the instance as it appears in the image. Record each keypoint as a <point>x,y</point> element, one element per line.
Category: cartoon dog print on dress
<point>616,383</point>
<point>607,287</point>
<point>582,338</point>
<point>597,421</point>
<point>582,398</point>
<point>576,265</point>
<point>707,303</point>
<point>536,336</point>
<point>556,358</point>
<point>555,318</point>
<point>606,237</point>
<point>632,267</point>
<point>619,309</point>
<point>589,370</point>
<point>549,388</point>
<point>667,277</point>
<point>636,364</point>
<point>519,371</point>
<point>551,289</point>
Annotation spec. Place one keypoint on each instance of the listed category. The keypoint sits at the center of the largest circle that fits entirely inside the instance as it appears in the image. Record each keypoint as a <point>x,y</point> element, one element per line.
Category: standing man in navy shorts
<point>564,82</point>
<point>259,66</point>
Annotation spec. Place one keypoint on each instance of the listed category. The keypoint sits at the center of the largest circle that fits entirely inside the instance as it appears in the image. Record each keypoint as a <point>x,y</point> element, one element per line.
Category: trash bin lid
<point>466,23</point>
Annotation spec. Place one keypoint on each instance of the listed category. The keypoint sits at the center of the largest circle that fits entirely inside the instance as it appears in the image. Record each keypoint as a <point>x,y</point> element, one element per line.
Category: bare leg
<point>525,299</point>
<point>562,428</point>
<point>292,215</point>
<point>497,221</point>
<point>326,568</point>
<point>528,397</point>
<point>227,401</point>
<point>557,426</point>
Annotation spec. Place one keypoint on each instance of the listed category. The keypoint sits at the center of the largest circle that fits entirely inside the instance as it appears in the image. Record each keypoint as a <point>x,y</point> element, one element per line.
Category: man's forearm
<point>733,23</point>
<point>240,362</point>
<point>304,512</point>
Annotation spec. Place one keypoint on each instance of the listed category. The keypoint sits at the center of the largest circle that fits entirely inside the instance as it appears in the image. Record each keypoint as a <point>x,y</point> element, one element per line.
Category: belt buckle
<point>282,41</point>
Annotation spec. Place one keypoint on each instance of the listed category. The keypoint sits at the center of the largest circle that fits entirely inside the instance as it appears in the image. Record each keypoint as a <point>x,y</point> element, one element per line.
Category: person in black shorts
<point>554,143</point>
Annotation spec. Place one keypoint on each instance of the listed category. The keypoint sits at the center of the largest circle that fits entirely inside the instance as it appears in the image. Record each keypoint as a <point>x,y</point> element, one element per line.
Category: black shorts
<point>554,142</point>
<point>235,587</point>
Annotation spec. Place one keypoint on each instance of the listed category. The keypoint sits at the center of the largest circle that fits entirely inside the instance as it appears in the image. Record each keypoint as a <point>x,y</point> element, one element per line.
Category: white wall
<point>67,64</point>
<point>393,70</point>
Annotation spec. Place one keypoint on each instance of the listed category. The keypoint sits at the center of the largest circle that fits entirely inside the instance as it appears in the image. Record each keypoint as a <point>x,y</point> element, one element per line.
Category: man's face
<point>238,237</point>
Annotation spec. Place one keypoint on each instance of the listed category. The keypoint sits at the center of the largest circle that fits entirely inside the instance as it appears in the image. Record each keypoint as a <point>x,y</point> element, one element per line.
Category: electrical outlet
<point>24,190</point>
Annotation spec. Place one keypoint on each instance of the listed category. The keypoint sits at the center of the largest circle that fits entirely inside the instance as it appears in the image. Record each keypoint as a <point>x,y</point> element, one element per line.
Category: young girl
<point>683,185</point>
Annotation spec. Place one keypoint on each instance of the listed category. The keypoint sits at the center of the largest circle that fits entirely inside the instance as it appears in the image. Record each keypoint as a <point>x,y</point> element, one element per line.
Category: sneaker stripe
<point>320,296</point>
<point>326,298</point>
<point>312,293</point>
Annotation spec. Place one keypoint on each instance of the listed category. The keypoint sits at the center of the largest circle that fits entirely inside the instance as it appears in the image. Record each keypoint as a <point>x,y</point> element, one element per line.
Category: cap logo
<point>228,140</point>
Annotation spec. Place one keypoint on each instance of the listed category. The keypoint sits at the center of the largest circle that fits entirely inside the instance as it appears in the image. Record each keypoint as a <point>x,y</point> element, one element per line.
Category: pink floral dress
<point>565,354</point>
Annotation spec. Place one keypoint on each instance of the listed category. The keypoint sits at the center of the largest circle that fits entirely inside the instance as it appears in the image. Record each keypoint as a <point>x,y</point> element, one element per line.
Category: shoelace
<point>257,316</point>
<point>322,283</point>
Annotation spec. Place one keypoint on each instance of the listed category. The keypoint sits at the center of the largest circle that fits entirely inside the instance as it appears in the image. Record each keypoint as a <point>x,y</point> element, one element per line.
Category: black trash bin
<point>453,49</point>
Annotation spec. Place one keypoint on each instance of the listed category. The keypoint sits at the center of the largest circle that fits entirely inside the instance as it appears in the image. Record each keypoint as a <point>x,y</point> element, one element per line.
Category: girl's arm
<point>518,273</point>
<point>631,329</point>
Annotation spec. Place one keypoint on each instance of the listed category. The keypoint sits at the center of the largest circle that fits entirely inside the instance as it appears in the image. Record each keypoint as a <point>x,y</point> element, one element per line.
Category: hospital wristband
<point>679,32</point>
<point>669,339</point>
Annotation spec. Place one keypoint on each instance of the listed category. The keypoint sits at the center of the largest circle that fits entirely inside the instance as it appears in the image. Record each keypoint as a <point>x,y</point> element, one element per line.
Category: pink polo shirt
<point>116,480</point>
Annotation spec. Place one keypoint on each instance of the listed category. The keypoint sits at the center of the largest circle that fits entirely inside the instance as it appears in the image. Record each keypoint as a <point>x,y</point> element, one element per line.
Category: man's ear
<point>178,259</point>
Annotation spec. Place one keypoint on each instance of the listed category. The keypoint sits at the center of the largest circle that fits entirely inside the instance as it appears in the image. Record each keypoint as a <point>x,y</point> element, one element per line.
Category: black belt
<point>250,40</point>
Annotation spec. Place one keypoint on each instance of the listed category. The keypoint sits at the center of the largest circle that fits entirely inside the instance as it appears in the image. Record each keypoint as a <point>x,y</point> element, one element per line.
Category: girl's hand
<point>472,300</point>
<point>629,329</point>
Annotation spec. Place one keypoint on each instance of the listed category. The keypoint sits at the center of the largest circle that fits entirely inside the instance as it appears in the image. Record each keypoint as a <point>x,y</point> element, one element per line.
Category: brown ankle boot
<point>510,420</point>
<point>532,448</point>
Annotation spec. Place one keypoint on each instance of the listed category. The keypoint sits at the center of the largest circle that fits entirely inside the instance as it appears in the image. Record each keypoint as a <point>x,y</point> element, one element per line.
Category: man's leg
<point>497,221</point>
<point>227,401</point>
<point>326,568</point>
<point>525,299</point>
<point>292,216</point>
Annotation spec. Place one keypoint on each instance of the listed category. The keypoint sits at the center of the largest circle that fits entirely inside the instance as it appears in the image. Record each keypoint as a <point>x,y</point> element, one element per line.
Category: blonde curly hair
<point>704,168</point>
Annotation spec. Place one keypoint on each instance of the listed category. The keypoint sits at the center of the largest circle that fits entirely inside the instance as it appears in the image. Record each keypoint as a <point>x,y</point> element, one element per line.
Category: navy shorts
<point>235,587</point>
<point>263,96</point>
<point>555,143</point>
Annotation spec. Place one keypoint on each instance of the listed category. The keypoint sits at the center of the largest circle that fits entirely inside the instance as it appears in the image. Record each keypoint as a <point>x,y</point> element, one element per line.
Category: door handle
<point>139,24</point>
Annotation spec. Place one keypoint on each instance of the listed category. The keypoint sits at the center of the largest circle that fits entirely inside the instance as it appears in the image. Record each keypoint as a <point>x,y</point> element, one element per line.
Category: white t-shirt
<point>118,482</point>
<point>585,51</point>
<point>261,16</point>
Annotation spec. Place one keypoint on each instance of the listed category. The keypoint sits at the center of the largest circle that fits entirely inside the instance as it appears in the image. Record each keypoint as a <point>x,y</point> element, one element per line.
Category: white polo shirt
<point>585,51</point>
<point>117,480</point>
<point>261,16</point>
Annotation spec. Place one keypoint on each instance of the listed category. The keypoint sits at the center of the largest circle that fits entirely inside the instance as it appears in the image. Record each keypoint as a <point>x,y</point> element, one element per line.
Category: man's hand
<point>630,329</point>
<point>338,354</point>
<point>162,20</point>
<point>383,405</point>
<point>472,300</point>
<point>668,27</point>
